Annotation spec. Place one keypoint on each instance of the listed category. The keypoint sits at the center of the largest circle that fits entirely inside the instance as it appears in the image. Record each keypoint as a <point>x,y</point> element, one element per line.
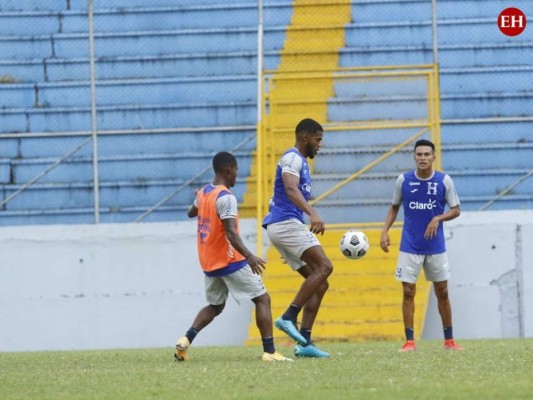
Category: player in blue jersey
<point>424,194</point>
<point>295,241</point>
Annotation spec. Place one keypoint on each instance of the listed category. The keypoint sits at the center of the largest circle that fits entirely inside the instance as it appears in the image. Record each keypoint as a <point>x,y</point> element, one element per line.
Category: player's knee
<point>409,292</point>
<point>264,300</point>
<point>326,268</point>
<point>442,293</point>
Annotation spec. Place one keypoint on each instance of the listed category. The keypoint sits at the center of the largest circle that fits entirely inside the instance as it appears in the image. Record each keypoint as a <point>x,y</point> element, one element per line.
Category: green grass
<point>487,369</point>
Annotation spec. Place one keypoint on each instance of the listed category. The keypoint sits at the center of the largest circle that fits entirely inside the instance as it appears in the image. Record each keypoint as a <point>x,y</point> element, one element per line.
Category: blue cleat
<point>310,351</point>
<point>289,328</point>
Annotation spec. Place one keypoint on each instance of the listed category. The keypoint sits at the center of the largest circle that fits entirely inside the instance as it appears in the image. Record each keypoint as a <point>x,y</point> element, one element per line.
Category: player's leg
<point>216,293</point>
<point>437,270</point>
<point>310,311</point>
<point>408,313</point>
<point>204,317</point>
<point>292,239</point>
<point>319,269</point>
<point>407,272</point>
<point>312,305</point>
<point>443,301</point>
<point>244,285</point>
<point>408,305</point>
<point>263,320</point>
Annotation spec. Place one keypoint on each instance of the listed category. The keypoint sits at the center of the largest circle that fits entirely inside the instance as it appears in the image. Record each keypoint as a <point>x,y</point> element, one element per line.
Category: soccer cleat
<point>269,357</point>
<point>310,351</point>
<point>289,328</point>
<point>182,347</point>
<point>449,344</point>
<point>409,345</point>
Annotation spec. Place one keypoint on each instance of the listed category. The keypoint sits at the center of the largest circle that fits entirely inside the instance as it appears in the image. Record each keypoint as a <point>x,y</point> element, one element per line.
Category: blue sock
<point>409,334</point>
<point>292,313</point>
<point>191,334</point>
<point>268,345</point>
<point>448,333</point>
<point>306,333</point>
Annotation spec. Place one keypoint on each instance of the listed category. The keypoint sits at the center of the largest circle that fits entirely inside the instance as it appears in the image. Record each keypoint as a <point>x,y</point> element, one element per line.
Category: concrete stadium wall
<point>106,286</point>
<point>491,288</point>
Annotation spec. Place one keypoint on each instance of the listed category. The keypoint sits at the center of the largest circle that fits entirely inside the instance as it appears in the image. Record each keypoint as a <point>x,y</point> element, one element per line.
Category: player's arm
<point>392,213</point>
<point>389,220</point>
<point>193,208</point>
<point>452,200</point>
<point>192,211</point>
<point>256,263</point>
<point>431,230</point>
<point>290,182</point>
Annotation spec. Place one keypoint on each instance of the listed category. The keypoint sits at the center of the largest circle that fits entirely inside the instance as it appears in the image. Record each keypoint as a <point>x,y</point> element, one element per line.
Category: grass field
<point>487,369</point>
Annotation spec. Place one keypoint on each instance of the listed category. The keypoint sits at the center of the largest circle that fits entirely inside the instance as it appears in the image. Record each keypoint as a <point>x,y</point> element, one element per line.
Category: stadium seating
<point>191,66</point>
<point>485,101</point>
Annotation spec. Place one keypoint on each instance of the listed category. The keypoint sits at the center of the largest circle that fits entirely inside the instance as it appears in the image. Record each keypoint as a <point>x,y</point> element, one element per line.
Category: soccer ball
<point>354,244</point>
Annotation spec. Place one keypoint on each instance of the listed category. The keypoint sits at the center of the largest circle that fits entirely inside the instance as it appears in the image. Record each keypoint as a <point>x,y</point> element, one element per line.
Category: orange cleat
<point>409,345</point>
<point>449,344</point>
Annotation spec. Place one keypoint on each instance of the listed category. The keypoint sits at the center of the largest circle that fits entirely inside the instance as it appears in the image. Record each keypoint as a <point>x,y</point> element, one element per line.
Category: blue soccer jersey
<point>281,207</point>
<point>423,199</point>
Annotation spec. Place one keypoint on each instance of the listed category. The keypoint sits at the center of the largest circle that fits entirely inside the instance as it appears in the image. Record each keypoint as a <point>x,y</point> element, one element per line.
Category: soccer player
<point>227,264</point>
<point>295,241</point>
<point>424,194</point>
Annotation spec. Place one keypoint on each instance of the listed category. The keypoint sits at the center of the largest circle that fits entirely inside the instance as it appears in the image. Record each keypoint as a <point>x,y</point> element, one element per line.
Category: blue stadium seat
<point>138,168</point>
<point>485,105</point>
<point>26,47</point>
<point>114,194</point>
<point>112,4</point>
<point>69,45</point>
<point>169,66</point>
<point>23,70</point>
<point>162,18</point>
<point>509,132</point>
<point>14,95</point>
<point>195,141</point>
<point>29,23</point>
<point>370,11</point>
<point>32,5</point>
<point>129,117</point>
<point>147,91</point>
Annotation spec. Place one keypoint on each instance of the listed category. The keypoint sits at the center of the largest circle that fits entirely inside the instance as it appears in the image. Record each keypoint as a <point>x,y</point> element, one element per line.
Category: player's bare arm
<point>389,220</point>
<point>257,264</point>
<point>192,211</point>
<point>431,230</point>
<point>290,182</point>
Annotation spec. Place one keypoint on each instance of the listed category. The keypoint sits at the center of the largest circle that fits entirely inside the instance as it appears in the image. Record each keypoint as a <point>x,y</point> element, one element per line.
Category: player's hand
<point>385,242</point>
<point>431,230</point>
<point>317,224</point>
<point>257,264</point>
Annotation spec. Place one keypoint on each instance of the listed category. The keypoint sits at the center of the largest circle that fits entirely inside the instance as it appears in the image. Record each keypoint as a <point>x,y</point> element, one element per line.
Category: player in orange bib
<point>229,267</point>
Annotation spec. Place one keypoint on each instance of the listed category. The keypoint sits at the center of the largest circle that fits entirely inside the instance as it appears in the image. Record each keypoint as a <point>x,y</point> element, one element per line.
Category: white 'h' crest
<point>432,188</point>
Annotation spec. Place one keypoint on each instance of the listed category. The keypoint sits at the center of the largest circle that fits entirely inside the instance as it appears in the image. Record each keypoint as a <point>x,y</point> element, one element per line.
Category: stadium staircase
<point>363,300</point>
